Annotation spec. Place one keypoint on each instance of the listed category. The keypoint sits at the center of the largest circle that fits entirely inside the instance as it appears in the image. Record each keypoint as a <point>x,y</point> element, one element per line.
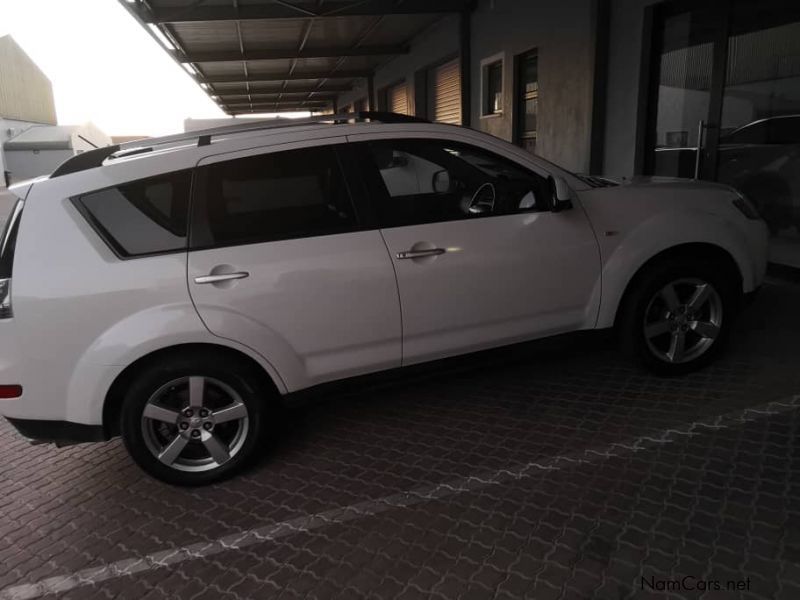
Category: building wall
<point>431,47</point>
<point>27,164</point>
<point>563,34</point>
<point>8,129</point>
<point>25,92</point>
<point>54,145</point>
<point>622,96</point>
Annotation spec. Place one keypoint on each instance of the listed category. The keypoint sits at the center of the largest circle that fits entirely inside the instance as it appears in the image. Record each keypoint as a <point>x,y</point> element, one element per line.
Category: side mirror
<point>441,182</point>
<point>561,194</point>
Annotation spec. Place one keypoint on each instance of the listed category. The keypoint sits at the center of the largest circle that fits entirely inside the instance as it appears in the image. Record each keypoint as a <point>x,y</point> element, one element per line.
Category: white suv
<point>175,294</point>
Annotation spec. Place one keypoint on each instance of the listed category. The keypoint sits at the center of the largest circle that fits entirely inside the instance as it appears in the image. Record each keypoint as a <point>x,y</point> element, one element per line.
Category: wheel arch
<point>693,250</point>
<point>112,403</point>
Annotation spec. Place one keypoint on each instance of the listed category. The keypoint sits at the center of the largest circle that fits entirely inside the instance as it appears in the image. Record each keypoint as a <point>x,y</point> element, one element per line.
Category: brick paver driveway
<point>547,472</point>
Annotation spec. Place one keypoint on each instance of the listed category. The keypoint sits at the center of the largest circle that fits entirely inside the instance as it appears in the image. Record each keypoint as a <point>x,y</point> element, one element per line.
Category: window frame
<point>376,191</point>
<point>337,147</point>
<point>521,135</point>
<point>106,236</point>
<point>487,64</point>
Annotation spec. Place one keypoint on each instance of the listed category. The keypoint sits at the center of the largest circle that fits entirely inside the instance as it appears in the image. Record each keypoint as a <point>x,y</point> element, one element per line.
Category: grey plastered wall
<point>622,98</point>
<point>432,46</point>
<point>563,34</point>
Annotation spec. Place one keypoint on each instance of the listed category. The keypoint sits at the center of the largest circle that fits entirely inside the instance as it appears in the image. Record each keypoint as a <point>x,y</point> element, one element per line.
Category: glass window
<point>426,181</point>
<point>277,196</point>
<point>761,107</point>
<point>754,133</point>
<point>493,97</point>
<point>142,217</point>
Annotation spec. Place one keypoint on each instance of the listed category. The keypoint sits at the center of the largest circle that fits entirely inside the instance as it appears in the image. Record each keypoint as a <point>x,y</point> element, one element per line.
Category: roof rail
<point>95,158</point>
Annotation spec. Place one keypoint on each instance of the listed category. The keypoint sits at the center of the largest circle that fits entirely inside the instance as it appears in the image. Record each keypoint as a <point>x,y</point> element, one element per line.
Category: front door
<point>480,259</point>
<point>279,262</point>
<point>725,105</point>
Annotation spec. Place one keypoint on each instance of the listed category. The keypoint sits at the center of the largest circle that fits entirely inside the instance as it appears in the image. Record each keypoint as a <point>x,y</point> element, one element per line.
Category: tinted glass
<point>425,181</point>
<point>142,217</point>
<point>785,130</point>
<point>277,196</point>
<point>8,240</point>
<point>755,133</point>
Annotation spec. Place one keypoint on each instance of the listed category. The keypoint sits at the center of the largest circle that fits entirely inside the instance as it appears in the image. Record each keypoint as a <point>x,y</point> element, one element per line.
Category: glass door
<point>725,105</point>
<point>759,141</point>
<point>686,41</point>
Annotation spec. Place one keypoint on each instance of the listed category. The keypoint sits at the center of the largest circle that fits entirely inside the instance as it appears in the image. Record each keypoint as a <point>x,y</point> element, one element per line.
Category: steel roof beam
<point>301,89</point>
<point>278,104</point>
<point>272,54</point>
<point>285,10</point>
<point>212,79</point>
<point>269,96</point>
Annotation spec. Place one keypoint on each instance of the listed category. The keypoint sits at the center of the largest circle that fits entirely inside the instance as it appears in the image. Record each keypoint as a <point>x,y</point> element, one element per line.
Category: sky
<point>105,68</point>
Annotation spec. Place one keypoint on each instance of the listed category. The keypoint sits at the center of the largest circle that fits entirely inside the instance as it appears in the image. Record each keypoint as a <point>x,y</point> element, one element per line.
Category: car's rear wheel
<point>677,318</point>
<point>195,419</point>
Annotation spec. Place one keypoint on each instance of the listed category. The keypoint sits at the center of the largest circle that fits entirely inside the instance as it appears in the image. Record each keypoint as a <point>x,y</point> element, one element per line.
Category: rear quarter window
<point>143,217</point>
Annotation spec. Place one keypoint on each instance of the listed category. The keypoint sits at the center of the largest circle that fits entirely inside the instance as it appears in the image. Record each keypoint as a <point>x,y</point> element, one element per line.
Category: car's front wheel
<point>193,420</point>
<point>678,316</point>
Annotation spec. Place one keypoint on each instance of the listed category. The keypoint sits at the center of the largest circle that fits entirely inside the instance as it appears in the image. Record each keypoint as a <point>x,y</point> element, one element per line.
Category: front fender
<point>623,258</point>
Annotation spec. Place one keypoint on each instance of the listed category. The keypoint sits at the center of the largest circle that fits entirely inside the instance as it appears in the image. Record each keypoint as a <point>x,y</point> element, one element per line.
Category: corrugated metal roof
<point>302,52</point>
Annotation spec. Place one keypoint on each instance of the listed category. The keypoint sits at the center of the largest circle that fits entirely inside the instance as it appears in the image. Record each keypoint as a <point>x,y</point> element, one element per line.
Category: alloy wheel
<point>683,320</point>
<point>195,423</point>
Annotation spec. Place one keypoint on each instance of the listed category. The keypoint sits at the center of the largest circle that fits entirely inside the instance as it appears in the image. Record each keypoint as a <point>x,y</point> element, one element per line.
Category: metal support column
<point>466,62</point>
<point>371,100</point>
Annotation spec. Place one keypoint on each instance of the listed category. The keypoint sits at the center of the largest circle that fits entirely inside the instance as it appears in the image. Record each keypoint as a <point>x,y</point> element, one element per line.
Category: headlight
<point>745,206</point>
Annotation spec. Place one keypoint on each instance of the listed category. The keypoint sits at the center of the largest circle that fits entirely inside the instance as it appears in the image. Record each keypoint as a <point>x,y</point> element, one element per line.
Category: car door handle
<point>420,253</point>
<point>221,277</point>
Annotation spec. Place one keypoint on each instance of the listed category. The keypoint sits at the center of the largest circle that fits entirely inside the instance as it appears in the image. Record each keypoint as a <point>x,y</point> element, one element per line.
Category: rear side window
<point>8,240</point>
<point>148,216</point>
<point>269,197</point>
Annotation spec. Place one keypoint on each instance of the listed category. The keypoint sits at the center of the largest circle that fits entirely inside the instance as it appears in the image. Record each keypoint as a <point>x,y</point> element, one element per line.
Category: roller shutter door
<point>398,99</point>
<point>447,93</point>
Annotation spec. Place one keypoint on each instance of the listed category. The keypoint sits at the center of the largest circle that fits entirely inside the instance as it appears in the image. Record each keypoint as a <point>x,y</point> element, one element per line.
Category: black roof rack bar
<point>95,158</point>
<point>84,160</point>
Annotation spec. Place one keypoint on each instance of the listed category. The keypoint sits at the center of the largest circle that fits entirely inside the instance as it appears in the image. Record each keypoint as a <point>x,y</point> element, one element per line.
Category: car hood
<point>642,181</point>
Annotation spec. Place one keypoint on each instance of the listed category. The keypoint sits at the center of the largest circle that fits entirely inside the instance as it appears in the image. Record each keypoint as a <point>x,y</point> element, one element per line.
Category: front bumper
<point>60,433</point>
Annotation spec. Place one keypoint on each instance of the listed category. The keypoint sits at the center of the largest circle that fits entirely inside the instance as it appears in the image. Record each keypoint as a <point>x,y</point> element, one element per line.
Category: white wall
<point>27,164</point>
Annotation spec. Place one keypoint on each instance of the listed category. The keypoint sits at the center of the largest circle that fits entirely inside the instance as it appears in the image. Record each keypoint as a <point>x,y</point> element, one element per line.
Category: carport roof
<point>256,56</point>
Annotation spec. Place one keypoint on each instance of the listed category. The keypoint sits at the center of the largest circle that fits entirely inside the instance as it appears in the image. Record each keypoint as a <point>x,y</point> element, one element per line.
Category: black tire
<point>223,377</point>
<point>642,300</point>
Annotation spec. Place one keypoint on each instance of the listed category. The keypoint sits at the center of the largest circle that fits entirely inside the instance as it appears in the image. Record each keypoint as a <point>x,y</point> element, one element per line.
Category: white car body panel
<point>81,314</point>
<point>502,280</point>
<point>632,226</point>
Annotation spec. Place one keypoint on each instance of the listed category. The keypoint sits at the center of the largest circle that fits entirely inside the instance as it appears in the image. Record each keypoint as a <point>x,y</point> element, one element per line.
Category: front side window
<point>142,217</point>
<point>269,197</point>
<point>426,181</point>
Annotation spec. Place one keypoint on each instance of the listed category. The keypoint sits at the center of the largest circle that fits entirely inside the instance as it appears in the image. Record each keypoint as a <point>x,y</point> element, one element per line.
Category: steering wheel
<point>482,200</point>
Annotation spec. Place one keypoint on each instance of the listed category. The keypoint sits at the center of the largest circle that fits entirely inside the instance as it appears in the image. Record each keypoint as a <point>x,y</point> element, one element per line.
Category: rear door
<point>280,262</point>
